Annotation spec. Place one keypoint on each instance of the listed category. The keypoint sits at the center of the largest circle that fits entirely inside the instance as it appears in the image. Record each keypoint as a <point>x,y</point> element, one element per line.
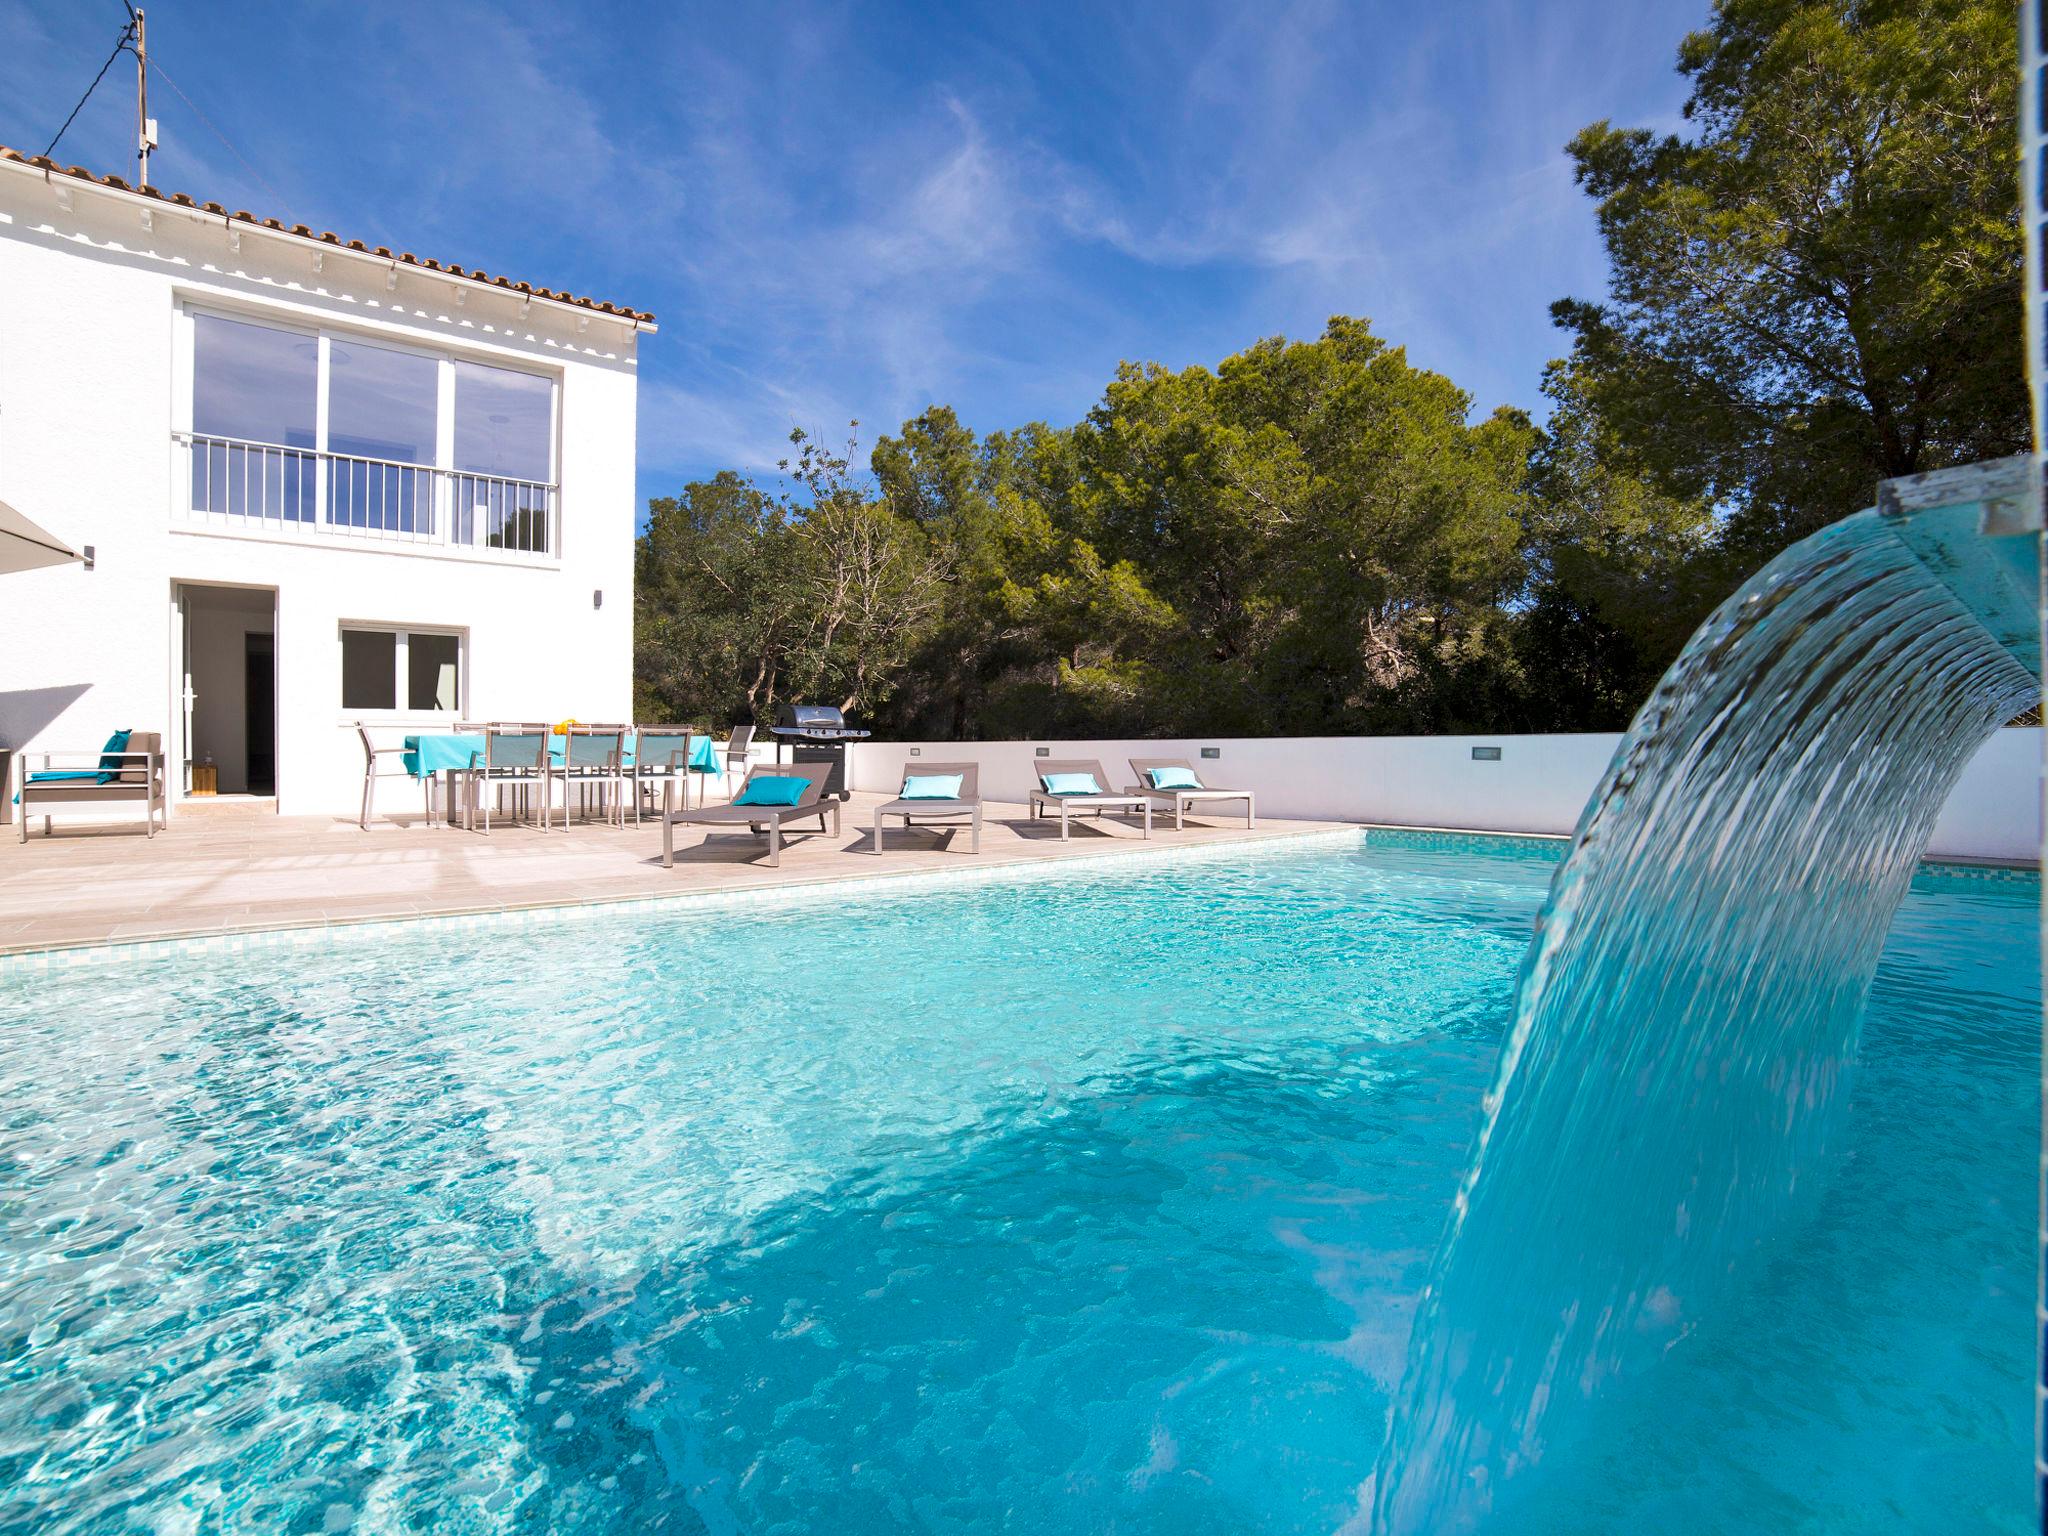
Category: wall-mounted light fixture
<point>597,598</point>
<point>86,550</point>
<point>1212,751</point>
<point>1486,754</point>
<point>917,751</point>
<point>1045,751</point>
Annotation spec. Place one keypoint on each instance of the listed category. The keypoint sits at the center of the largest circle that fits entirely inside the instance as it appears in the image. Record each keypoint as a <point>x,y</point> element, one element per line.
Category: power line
<point>125,43</point>
<point>156,64</point>
<point>126,33</point>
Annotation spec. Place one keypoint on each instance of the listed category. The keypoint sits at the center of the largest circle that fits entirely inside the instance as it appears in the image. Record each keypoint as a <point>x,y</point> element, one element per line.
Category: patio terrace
<point>226,868</point>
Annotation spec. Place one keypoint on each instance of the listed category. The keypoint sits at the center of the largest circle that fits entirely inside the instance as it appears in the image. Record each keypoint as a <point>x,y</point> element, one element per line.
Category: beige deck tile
<point>212,874</point>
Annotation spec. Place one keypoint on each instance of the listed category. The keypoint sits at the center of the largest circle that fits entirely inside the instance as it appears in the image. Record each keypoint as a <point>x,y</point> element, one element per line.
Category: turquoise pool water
<point>1096,1199</point>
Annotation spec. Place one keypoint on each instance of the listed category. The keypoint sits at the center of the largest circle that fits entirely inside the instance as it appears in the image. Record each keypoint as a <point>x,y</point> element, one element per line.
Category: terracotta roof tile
<point>325,236</point>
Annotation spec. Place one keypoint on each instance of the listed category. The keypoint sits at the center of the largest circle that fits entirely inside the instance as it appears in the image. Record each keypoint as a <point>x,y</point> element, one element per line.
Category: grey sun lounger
<point>755,818</point>
<point>1042,802</point>
<point>968,804</point>
<point>1181,799</point>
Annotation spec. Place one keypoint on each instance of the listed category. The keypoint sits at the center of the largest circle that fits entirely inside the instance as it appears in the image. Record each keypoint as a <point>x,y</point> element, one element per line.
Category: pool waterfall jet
<point>1689,1008</point>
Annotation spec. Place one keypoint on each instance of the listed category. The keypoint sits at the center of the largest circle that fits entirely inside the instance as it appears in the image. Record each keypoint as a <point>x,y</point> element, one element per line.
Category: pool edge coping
<point>234,939</point>
<point>229,940</point>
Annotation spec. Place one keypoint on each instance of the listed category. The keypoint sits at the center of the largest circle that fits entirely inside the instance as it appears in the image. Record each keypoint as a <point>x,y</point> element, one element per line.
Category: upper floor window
<point>383,437</point>
<point>314,428</point>
<point>253,384</point>
<point>504,434</point>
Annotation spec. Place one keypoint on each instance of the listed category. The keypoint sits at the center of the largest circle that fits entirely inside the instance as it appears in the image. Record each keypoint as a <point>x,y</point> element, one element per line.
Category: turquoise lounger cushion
<point>59,775</point>
<point>110,756</point>
<point>1174,778</point>
<point>1070,784</point>
<point>933,786</point>
<point>772,789</point>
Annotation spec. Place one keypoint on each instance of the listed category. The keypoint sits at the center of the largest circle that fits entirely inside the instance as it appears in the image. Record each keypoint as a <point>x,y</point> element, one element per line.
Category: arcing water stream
<point>1688,1011</point>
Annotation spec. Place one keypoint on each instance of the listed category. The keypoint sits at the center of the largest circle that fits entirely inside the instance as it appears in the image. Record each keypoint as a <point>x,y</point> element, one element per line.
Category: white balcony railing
<point>233,483</point>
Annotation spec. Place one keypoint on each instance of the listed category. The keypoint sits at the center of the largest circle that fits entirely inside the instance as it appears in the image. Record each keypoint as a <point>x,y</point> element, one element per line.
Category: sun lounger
<point>755,818</point>
<point>966,803</point>
<point>1180,798</point>
<point>1044,799</point>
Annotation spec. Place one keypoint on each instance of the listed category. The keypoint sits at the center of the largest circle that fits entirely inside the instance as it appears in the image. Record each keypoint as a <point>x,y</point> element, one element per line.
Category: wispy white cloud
<point>848,213</point>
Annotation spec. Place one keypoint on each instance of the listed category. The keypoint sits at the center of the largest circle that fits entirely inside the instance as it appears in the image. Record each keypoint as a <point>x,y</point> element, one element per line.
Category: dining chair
<point>738,748</point>
<point>594,756</point>
<point>661,755</point>
<point>373,771</point>
<point>515,756</point>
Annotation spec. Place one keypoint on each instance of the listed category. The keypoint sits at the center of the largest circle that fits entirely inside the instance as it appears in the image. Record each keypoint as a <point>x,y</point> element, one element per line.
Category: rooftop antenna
<point>145,125</point>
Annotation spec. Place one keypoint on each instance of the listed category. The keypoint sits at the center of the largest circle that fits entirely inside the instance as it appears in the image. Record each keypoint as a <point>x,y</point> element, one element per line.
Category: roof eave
<point>153,198</point>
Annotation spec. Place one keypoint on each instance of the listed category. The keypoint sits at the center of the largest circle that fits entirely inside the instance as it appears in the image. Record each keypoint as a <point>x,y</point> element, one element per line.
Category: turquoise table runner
<point>430,753</point>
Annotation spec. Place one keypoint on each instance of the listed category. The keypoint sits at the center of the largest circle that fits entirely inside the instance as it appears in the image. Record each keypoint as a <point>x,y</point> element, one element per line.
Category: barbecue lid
<point>811,716</point>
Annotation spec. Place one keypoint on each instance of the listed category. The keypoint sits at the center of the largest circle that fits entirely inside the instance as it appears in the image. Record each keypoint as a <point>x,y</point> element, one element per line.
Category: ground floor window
<point>384,670</point>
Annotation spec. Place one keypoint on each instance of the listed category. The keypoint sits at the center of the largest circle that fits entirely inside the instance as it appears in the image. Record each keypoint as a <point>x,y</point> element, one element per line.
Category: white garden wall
<point>1539,784</point>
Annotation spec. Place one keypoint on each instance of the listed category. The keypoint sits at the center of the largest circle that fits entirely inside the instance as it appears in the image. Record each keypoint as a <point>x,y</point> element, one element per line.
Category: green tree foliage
<point>1619,573</point>
<point>1815,287</point>
<point>1332,537</point>
<point>743,598</point>
<point>1819,287</point>
<point>715,603</point>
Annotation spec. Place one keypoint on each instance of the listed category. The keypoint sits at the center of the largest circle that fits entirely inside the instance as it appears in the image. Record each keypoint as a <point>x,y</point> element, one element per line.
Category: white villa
<point>317,483</point>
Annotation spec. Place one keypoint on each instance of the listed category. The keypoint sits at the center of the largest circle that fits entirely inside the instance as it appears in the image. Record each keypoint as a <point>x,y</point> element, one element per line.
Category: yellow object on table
<point>205,779</point>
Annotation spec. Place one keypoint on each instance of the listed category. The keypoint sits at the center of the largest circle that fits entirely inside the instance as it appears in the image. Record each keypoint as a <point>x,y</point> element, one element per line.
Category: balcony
<point>237,485</point>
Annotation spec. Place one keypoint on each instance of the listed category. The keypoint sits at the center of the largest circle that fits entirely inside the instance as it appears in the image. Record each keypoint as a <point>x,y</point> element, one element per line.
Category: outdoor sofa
<point>129,770</point>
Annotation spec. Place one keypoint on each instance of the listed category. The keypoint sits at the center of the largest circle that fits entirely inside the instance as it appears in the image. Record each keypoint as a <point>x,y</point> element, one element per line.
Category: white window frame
<point>401,654</point>
<point>185,356</point>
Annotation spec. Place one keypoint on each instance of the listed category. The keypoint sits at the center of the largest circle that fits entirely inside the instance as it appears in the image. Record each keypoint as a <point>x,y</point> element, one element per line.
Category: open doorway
<point>229,678</point>
<point>259,710</point>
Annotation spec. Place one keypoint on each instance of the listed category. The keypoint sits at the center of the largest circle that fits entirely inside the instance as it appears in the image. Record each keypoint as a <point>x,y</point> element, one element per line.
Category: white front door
<point>182,696</point>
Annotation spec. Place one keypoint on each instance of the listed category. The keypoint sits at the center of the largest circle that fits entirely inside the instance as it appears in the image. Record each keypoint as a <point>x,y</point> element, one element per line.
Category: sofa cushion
<point>112,763</point>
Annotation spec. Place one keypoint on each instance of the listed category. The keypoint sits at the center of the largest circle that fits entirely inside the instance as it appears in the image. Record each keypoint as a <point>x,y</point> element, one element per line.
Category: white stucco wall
<point>90,387</point>
<point>1540,784</point>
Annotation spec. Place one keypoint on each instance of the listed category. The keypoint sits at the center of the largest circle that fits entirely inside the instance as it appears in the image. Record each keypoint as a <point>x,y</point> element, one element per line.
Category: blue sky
<point>852,211</point>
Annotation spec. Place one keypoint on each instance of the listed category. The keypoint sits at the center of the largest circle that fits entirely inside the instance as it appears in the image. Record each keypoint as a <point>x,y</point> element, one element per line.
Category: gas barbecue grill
<point>816,733</point>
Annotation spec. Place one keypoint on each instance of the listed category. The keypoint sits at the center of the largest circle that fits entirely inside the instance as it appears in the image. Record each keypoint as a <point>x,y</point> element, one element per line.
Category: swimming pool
<point>1088,1197</point>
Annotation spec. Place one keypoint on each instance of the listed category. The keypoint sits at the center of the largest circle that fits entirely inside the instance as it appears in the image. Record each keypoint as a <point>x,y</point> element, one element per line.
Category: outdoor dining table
<point>447,753</point>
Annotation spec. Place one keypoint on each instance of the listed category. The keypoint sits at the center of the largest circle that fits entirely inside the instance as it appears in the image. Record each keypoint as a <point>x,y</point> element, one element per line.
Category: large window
<point>301,427</point>
<point>504,426</point>
<point>383,419</point>
<point>255,403</point>
<point>417,671</point>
